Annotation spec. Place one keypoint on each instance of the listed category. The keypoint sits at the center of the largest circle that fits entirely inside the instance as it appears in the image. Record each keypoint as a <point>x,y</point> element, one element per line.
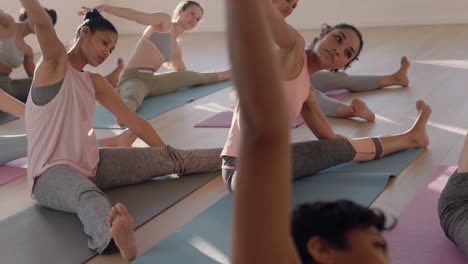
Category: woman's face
<point>365,246</point>
<point>285,7</point>
<point>337,48</point>
<point>98,45</point>
<point>190,17</point>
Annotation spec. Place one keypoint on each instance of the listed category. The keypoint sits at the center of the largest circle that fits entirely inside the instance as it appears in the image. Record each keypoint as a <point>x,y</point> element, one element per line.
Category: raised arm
<point>108,98</point>
<point>161,21</point>
<point>28,62</point>
<point>52,48</point>
<point>261,211</point>
<point>7,25</point>
<point>285,36</point>
<point>11,105</point>
<point>315,119</point>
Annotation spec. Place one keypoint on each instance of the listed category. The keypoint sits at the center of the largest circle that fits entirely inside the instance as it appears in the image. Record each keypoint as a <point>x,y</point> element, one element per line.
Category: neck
<point>313,64</point>
<point>177,29</point>
<point>23,29</point>
<point>76,58</point>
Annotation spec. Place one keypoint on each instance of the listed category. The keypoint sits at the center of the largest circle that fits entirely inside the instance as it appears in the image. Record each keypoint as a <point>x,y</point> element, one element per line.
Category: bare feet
<point>361,110</point>
<point>418,131</point>
<point>225,75</point>
<point>121,230</point>
<point>125,139</point>
<point>401,76</point>
<point>114,76</point>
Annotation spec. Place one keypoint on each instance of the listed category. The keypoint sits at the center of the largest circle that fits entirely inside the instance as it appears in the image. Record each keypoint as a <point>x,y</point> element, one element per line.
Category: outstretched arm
<point>285,36</point>
<point>316,119</point>
<point>261,211</point>
<point>108,98</point>
<point>28,62</point>
<point>161,21</point>
<point>11,105</point>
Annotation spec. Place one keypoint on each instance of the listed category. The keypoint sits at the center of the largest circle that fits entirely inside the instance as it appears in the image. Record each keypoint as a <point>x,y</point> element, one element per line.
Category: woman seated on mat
<point>66,170</point>
<point>453,201</point>
<point>322,232</point>
<point>324,81</point>
<point>335,50</point>
<point>14,52</point>
<point>159,45</point>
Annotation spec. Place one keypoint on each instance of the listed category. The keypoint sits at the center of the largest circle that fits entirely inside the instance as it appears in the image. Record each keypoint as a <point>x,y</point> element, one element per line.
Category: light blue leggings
<point>325,81</point>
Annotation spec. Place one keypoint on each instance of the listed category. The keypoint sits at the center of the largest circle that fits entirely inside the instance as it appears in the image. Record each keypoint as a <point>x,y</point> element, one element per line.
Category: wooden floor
<point>438,75</point>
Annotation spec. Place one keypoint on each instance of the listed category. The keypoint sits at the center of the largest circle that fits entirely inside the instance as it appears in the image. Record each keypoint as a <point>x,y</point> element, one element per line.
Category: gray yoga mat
<point>6,117</point>
<point>42,236</point>
<point>206,238</point>
<point>157,105</point>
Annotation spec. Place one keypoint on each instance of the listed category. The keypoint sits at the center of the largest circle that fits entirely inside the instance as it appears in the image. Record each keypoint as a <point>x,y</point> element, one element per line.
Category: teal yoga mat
<point>5,118</point>
<point>157,105</point>
<point>42,236</point>
<point>206,238</point>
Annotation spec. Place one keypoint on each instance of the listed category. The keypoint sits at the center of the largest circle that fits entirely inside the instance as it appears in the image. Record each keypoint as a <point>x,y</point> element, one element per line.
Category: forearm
<point>36,13</point>
<point>318,123</point>
<point>155,19</point>
<point>143,130</point>
<point>11,105</point>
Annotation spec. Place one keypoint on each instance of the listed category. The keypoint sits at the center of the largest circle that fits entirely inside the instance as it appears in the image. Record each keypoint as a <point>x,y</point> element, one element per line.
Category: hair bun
<point>93,14</point>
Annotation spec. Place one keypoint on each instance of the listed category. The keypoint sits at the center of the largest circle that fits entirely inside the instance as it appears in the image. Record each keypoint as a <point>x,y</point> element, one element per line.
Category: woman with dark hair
<point>158,45</point>
<point>335,50</point>
<point>324,232</point>
<point>14,52</point>
<point>324,81</point>
<point>66,169</point>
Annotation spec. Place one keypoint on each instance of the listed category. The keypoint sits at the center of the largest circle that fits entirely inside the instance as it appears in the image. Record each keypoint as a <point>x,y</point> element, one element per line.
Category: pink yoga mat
<point>224,119</point>
<point>337,94</point>
<point>13,170</point>
<point>418,237</point>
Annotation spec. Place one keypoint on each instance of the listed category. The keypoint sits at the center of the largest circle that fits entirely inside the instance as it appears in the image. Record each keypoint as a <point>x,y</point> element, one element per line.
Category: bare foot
<point>125,139</point>
<point>114,76</point>
<point>418,131</point>
<point>225,75</point>
<point>401,76</point>
<point>361,110</point>
<point>121,230</point>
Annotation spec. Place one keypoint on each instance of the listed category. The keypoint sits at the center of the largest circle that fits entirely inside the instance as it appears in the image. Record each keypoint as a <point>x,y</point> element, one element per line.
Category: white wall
<point>309,14</point>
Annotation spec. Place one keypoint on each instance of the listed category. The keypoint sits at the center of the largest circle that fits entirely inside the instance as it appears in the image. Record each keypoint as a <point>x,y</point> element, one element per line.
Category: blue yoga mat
<point>206,238</point>
<point>157,105</point>
<point>42,236</point>
<point>5,118</point>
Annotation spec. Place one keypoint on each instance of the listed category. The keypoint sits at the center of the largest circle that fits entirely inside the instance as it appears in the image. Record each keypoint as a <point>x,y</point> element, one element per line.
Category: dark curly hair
<point>96,22</point>
<point>331,221</point>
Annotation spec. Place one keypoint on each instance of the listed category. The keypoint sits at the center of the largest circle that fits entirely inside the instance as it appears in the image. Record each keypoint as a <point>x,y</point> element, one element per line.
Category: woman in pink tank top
<point>66,169</point>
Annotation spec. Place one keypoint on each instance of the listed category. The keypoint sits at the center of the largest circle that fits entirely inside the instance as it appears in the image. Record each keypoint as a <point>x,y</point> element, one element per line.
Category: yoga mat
<point>5,117</point>
<point>224,119</point>
<point>42,236</point>
<point>205,239</point>
<point>13,170</point>
<point>157,105</point>
<point>418,237</point>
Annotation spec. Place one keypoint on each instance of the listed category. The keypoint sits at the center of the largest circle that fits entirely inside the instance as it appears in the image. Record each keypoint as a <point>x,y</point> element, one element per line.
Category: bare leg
<point>398,78</point>
<point>114,76</point>
<point>415,137</point>
<point>357,108</point>
<point>125,139</point>
<point>121,230</point>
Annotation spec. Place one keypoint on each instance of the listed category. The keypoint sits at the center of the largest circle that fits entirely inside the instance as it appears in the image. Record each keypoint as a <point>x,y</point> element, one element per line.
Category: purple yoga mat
<point>337,94</point>
<point>418,237</point>
<point>224,119</point>
<point>13,170</point>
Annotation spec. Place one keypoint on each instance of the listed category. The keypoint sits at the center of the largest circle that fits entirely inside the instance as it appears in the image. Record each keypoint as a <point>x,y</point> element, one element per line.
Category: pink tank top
<point>296,92</point>
<point>61,132</point>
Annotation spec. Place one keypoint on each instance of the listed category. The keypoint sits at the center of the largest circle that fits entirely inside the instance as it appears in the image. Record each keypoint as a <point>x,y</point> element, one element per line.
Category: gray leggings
<point>135,86</point>
<point>17,88</point>
<point>325,81</point>
<point>308,157</point>
<point>12,147</point>
<point>453,210</point>
<point>62,188</point>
